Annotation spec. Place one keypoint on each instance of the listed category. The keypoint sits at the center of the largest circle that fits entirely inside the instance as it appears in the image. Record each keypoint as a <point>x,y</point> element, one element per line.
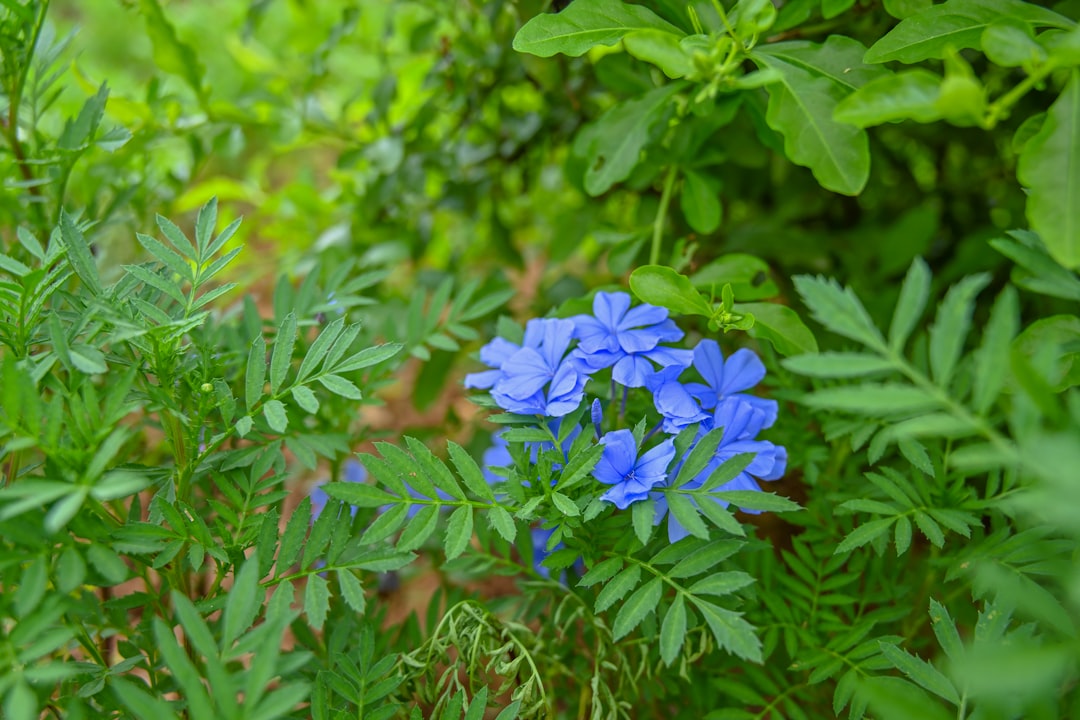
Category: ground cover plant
<point>590,359</point>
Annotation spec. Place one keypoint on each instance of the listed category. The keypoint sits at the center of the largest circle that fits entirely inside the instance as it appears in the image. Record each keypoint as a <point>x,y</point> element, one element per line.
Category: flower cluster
<point>548,374</point>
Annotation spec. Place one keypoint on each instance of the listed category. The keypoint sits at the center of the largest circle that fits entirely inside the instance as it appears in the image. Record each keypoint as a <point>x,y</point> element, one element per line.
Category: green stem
<point>999,109</point>
<point>661,215</point>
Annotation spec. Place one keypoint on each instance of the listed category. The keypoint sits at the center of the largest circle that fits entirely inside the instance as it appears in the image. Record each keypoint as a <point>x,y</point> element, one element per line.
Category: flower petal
<point>742,371</point>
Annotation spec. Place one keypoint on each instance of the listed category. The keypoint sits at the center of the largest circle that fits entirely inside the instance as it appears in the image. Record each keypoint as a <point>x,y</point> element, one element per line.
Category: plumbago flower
<point>729,378</point>
<point>627,340</point>
<point>741,423</point>
<point>631,477</point>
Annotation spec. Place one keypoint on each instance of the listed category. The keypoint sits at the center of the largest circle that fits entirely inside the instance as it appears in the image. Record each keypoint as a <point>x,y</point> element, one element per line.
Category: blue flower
<point>673,400</point>
<point>524,374</point>
<point>726,379</point>
<point>627,340</point>
<point>494,354</point>
<point>631,478</point>
<point>741,422</point>
<point>354,472</point>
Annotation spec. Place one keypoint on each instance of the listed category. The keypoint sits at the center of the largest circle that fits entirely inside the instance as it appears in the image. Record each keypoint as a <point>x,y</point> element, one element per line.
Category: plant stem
<point>999,109</point>
<point>661,215</point>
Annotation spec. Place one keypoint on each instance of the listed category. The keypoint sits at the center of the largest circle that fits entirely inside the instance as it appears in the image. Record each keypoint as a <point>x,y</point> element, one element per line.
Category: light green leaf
<point>912,94</point>
<point>951,325</point>
<point>637,606</point>
<point>316,600</point>
<point>614,142</point>
<point>748,499</point>
<point>87,359</point>
<point>256,372</point>
<point>875,400</point>
<point>276,417</point>
<point>503,523</point>
<point>585,24</point>
<point>283,351</point>
<point>1049,168</point>
<point>359,494</point>
<point>1011,43</point>
<point>685,511</point>
<point>839,310</point>
<point>601,572</point>
<point>781,326</point>
<point>470,472</point>
<point>368,357</point>
<point>673,631</point>
<point>722,583</point>
<point>660,285</point>
<point>642,518</point>
<point>837,365</point>
<point>170,53</point>
<point>459,532</point>
<point>921,672</point>
<point>700,202</point>
<point>244,425</point>
<point>909,307</point>
<point>748,276</point>
<point>340,386</point>
<point>78,253</point>
<point>305,399</point>
<point>419,529</point>
<point>242,602</point>
<point>660,48</point>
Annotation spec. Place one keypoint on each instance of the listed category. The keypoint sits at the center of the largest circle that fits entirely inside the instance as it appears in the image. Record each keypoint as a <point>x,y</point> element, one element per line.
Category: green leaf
<point>997,338</point>
<point>910,305</point>
<point>503,523</point>
<point>565,505</point>
<point>305,399</point>
<point>352,591</point>
<point>1047,276</point>
<point>283,352</point>
<point>660,48</point>
<point>660,285</point>
<point>359,494</point>
<point>864,534</point>
<point>276,417</point>
<point>319,348</point>
<point>617,588</point>
<point>170,53</point>
<point>340,386</point>
<point>839,310</point>
<point>720,516</point>
<point>685,511</point>
<point>801,107</point>
<point>316,600</point>
<point>700,456</point>
<point>1011,43</point>
<point>510,712</point>
<point>13,267</point>
<point>583,25</point>
<point>945,631</point>
<point>182,669</point>
<point>612,145</point>
<point>168,257</point>
<point>78,253</point>
<point>748,499</point>
<point>642,517</point>
<point>673,631</point>
<point>907,95</point>
<point>368,357</point>
<point>87,359</point>
<point>731,632</point>
<point>700,201</point>
<point>256,372</point>
<point>722,583</point>
<point>470,472</point>
<point>920,671</point>
<point>748,276</point>
<point>244,425</point>
<point>293,539</point>
<point>637,606</point>
<point>242,602</point>
<point>781,326</point>
<point>951,325</point>
<point>1049,169</point>
<point>421,527</point>
<point>837,365</point>
<point>459,532</point>
<point>873,399</point>
<point>601,572</point>
<point>902,535</point>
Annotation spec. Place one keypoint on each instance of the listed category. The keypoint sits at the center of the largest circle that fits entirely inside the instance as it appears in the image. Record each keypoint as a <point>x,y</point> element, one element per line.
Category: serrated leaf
<point>902,535</point>
<point>244,425</point>
<point>319,348</point>
<point>78,253</point>
<point>293,539</point>
<point>731,632</point>
<point>722,583</point>
<point>565,505</point>
<point>748,499</point>
<point>359,494</point>
<point>922,672</point>
<point>839,310</point>
<point>837,365</point>
<point>316,600</point>
<point>863,534</point>
<point>951,325</point>
<point>242,603</point>
<point>601,572</point>
<point>637,606</point>
<point>368,357</point>
<point>305,399</point>
<point>721,517</point>
<point>283,352</point>
<point>585,24</point>
<point>421,527</point>
<point>875,400</point>
<point>945,631</point>
<point>352,591</point>
<point>997,337</point>
<point>276,417</point>
<point>459,532</point>
<point>617,587</point>
<point>685,512</point>
<point>642,519</point>
<point>255,378</point>
<point>470,472</point>
<point>503,523</point>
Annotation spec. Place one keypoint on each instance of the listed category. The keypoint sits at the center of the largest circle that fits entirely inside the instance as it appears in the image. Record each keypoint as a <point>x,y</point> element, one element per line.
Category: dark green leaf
<point>583,25</point>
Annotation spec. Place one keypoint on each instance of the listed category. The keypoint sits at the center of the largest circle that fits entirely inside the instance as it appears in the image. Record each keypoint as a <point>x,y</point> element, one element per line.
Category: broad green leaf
<point>951,325</point>
<point>910,305</point>
<point>283,352</point>
<point>700,201</point>
<point>954,25</point>
<point>748,276</point>
<point>242,602</point>
<point>921,672</point>
<point>1049,169</point>
<point>660,285</point>
<point>585,24</point>
<point>340,386</point>
<point>662,49</point>
<point>673,631</point>
<point>998,335</point>
<point>875,400</point>
<point>837,365</point>
<point>612,145</point>
<point>839,59</point>
<point>801,107</point>
<point>911,94</point>
<point>255,378</point>
<point>1011,43</point>
<point>839,310</point>
<point>637,606</point>
<point>316,600</point>
<point>459,532</point>
<point>617,587</point>
<point>781,326</point>
<point>731,632</point>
